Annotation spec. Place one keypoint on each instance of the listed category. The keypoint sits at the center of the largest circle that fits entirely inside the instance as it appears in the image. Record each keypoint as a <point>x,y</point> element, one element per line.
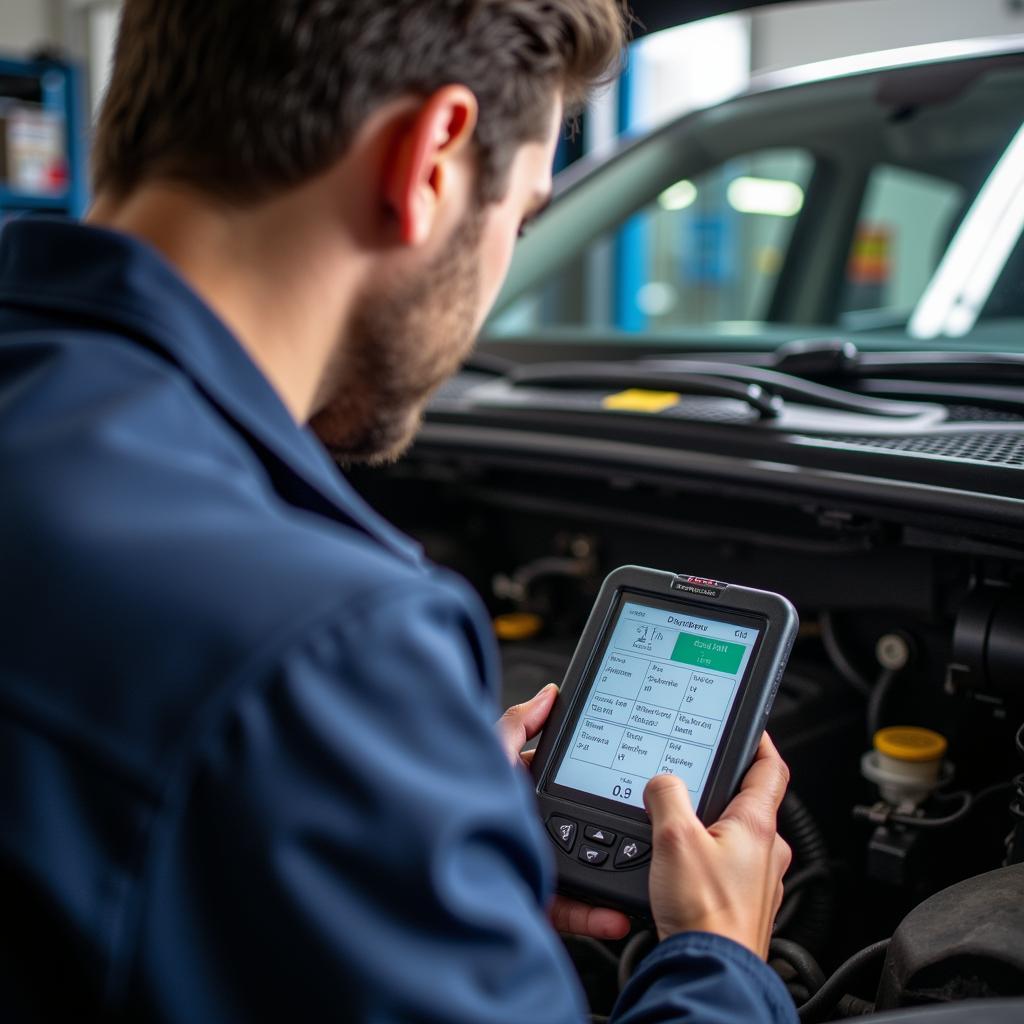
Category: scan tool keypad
<point>595,843</point>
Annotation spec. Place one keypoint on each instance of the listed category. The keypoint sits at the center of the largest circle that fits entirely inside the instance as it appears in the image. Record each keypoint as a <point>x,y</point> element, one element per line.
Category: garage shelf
<point>56,85</point>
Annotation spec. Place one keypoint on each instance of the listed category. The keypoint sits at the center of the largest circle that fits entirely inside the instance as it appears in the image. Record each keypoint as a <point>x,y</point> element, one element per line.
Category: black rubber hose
<point>809,925</point>
<point>837,656</point>
<point>634,951</point>
<point>803,963</point>
<point>598,948</point>
<point>835,988</point>
<point>796,881</point>
<point>877,701</point>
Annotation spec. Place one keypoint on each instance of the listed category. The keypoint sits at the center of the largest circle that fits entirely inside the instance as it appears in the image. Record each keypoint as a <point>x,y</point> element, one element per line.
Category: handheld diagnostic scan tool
<point>672,674</point>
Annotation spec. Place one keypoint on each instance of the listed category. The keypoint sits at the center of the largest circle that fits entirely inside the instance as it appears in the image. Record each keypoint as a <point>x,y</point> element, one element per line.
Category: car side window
<point>707,250</point>
<point>903,229</point>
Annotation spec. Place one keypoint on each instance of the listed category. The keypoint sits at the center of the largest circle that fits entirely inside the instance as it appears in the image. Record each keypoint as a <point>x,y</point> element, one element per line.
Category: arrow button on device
<point>631,851</point>
<point>599,835</point>
<point>593,856</point>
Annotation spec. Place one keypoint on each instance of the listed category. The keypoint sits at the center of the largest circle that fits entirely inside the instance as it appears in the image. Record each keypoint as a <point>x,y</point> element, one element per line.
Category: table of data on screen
<point>658,702</point>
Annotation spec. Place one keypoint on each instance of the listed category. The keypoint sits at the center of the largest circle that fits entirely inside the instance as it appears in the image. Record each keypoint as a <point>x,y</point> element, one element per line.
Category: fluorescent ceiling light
<point>765,195</point>
<point>678,196</point>
<point>688,67</point>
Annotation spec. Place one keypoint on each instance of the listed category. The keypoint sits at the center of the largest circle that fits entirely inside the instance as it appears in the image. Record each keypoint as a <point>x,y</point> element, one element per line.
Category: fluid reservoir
<point>906,764</point>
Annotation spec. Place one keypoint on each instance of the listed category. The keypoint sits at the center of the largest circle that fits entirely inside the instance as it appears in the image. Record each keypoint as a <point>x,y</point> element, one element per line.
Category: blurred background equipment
<point>42,138</point>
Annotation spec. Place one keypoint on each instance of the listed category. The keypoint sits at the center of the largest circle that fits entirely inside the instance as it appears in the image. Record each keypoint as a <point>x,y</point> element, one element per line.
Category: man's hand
<point>727,878</point>
<point>518,725</point>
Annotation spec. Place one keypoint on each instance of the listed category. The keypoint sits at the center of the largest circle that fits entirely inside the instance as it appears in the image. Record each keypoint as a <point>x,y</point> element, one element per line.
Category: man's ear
<point>417,174</point>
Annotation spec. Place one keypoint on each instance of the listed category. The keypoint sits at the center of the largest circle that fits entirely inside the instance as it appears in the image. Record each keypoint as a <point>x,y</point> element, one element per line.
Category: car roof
<point>830,70</point>
<point>654,15</point>
<point>884,60</point>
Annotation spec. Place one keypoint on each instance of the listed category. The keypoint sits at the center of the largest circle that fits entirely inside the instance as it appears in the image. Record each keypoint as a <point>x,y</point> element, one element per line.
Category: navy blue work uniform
<point>248,768</point>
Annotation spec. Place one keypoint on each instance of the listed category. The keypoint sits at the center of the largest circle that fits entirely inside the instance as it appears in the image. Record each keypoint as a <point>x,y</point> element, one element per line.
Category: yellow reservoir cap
<point>517,625</point>
<point>910,743</point>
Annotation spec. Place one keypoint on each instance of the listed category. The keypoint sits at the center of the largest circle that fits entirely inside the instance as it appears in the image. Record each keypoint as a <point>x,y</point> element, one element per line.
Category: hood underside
<point>654,15</point>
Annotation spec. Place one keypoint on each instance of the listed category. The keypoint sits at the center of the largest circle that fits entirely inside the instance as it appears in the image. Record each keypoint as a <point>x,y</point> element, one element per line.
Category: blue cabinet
<point>55,86</point>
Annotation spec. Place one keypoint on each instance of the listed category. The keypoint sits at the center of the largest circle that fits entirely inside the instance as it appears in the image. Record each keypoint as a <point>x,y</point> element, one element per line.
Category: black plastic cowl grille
<point>993,448</point>
<point>979,414</point>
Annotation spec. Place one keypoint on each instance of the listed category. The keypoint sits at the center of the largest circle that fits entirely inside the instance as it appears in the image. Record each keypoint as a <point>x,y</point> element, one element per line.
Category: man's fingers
<point>523,721</point>
<point>761,792</point>
<point>768,770</point>
<point>526,756</point>
<point>575,918</point>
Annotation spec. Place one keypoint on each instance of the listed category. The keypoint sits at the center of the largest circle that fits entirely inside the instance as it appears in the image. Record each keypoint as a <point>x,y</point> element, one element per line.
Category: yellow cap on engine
<point>517,625</point>
<point>910,743</point>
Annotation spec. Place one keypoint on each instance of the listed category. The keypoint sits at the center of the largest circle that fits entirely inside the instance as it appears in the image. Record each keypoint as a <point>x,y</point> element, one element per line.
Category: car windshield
<point>886,206</point>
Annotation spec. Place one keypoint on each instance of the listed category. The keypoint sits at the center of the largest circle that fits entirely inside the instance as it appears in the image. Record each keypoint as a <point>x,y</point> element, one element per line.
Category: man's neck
<point>251,266</point>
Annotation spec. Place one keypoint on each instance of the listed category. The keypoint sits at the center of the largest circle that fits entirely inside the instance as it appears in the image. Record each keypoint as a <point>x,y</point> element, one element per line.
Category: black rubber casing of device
<point>626,887</point>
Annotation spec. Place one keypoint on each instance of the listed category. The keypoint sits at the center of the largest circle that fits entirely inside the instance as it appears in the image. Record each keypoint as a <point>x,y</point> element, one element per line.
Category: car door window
<point>707,250</point>
<point>903,228</point>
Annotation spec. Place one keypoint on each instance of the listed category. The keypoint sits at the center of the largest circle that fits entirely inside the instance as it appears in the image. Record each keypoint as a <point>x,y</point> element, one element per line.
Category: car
<point>780,342</point>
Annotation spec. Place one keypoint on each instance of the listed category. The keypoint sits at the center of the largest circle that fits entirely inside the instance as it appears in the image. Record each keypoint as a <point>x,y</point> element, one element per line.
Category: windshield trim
<point>885,60</point>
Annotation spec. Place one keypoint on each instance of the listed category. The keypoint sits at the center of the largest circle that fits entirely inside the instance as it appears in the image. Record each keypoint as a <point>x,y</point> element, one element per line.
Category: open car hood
<point>654,15</point>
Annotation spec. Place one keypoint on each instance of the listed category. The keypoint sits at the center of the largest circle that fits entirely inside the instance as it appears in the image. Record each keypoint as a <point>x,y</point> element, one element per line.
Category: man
<point>248,765</point>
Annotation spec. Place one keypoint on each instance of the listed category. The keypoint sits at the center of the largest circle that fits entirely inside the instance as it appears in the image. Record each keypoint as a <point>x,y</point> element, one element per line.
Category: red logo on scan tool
<point>698,585</point>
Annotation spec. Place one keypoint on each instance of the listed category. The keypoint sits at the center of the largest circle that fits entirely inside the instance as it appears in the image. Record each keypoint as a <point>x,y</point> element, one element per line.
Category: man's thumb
<point>666,798</point>
<point>523,721</point>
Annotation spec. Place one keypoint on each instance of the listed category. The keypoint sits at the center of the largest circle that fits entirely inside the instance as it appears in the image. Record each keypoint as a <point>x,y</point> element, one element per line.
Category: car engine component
<point>964,942</point>
<point>987,641</point>
<point>906,764</point>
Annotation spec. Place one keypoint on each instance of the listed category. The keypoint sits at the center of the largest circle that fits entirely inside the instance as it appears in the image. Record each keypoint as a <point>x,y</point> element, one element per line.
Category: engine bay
<point>897,897</point>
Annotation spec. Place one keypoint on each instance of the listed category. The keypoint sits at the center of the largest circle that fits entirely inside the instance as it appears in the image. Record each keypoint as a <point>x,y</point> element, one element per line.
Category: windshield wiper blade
<point>839,359</point>
<point>945,391</point>
<point>795,389</point>
<point>763,401</point>
<point>698,376</point>
<point>834,360</point>
<point>487,362</point>
<point>960,367</point>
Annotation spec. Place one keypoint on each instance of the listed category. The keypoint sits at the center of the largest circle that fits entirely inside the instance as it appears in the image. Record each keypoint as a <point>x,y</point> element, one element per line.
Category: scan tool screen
<point>658,702</point>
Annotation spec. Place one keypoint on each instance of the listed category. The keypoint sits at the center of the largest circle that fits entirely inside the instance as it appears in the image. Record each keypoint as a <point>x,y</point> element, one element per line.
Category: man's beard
<point>403,342</point>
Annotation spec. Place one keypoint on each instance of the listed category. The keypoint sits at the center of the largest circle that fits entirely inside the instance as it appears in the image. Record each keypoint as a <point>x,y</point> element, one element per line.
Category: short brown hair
<point>246,98</point>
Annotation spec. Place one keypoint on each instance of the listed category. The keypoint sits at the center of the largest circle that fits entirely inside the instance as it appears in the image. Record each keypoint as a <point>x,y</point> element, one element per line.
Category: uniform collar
<point>119,282</point>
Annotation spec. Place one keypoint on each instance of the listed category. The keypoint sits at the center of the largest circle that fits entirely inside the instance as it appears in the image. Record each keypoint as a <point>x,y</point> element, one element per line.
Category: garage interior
<point>884,500</point>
